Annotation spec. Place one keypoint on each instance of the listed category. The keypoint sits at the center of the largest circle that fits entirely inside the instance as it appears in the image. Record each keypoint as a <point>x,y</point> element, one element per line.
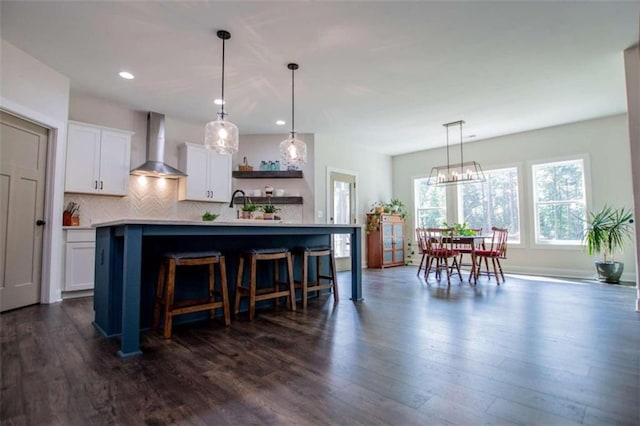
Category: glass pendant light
<point>293,151</point>
<point>221,135</point>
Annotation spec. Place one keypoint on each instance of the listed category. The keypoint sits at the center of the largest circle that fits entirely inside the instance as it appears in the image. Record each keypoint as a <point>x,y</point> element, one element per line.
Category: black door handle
<point>40,222</point>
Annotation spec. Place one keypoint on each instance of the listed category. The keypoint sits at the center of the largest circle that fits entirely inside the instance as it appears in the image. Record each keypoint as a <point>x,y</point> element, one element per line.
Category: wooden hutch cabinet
<point>385,240</point>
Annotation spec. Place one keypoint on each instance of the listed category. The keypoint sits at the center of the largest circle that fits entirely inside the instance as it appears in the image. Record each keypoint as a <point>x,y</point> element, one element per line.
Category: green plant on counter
<point>208,216</point>
<point>269,208</point>
<point>249,207</point>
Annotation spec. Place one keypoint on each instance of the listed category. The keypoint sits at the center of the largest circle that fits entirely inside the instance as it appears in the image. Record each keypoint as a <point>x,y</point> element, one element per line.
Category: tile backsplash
<point>151,198</point>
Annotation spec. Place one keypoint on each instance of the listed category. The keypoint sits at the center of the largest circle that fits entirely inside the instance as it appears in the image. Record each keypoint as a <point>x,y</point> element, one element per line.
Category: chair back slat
<point>421,238</point>
<point>499,241</point>
<point>439,239</point>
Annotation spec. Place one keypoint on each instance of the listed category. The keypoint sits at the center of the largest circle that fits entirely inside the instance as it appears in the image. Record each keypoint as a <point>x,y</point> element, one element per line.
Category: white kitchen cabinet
<point>208,174</point>
<point>80,247</point>
<point>98,160</point>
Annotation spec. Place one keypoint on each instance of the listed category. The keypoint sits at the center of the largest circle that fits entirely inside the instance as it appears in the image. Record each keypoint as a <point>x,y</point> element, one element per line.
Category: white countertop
<point>236,222</point>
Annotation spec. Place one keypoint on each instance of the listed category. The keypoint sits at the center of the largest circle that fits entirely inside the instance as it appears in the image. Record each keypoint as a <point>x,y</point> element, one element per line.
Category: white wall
<point>37,92</point>
<point>373,171</point>
<point>632,72</point>
<point>605,141</point>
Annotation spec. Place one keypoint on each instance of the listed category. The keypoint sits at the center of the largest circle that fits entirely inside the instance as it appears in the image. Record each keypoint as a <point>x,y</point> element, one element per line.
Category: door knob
<point>40,222</point>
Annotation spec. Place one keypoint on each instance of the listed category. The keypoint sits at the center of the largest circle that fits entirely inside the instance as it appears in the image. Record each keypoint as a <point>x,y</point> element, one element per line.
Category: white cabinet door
<point>83,159</point>
<point>98,160</point>
<point>115,158</point>
<point>195,163</point>
<point>220,177</point>
<point>208,174</point>
<point>79,259</point>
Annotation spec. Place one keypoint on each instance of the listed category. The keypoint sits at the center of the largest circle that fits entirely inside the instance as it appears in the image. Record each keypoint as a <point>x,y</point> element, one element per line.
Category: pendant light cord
<point>293,67</point>
<point>461,155</point>
<point>293,132</point>
<point>447,126</point>
<point>222,106</point>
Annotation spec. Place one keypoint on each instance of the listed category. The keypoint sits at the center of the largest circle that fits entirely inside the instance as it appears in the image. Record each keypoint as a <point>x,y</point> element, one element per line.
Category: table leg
<point>356,265</point>
<point>131,273</point>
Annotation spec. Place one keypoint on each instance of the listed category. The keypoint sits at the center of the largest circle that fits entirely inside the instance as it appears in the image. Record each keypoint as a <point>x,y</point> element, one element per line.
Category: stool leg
<point>212,290</point>
<point>239,285</point>
<point>334,280</point>
<point>305,275</point>
<point>224,291</point>
<point>276,280</point>
<point>252,287</point>
<point>159,293</point>
<point>318,273</point>
<point>292,288</point>
<point>168,303</point>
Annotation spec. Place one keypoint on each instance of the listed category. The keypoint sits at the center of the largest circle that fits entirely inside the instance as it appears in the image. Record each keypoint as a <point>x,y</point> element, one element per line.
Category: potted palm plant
<point>269,211</point>
<point>606,233</point>
<point>247,210</point>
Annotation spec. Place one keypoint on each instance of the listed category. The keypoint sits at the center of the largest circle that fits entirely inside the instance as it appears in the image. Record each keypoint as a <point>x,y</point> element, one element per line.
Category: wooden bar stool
<point>330,280</point>
<point>165,301</point>
<point>265,293</point>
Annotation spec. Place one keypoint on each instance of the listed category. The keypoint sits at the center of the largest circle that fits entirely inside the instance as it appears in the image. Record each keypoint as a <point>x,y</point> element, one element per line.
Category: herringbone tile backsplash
<point>157,199</point>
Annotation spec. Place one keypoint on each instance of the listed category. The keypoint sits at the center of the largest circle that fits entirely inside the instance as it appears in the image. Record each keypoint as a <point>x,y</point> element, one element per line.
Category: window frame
<point>534,225</point>
<point>522,179</point>
<point>415,201</point>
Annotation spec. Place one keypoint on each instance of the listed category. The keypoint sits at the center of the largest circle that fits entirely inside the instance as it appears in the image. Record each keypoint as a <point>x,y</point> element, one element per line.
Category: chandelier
<point>221,135</point>
<point>462,172</point>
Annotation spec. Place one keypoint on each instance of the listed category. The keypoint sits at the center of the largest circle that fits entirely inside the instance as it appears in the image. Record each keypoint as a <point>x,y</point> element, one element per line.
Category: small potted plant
<point>269,211</point>
<point>208,216</point>
<point>247,210</point>
<point>607,231</point>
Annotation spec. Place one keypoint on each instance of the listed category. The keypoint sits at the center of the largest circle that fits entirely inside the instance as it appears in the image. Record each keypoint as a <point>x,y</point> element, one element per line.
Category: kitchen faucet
<point>244,197</point>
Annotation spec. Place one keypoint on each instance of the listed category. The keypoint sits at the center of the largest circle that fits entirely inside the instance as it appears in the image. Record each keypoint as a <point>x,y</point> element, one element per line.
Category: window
<point>494,202</point>
<point>559,202</point>
<point>431,204</point>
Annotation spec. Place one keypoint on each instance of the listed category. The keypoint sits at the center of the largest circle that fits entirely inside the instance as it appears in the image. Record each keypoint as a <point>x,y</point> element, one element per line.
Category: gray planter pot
<point>609,272</point>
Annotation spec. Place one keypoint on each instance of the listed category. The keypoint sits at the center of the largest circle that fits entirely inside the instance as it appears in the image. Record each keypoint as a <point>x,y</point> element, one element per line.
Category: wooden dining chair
<point>496,251</point>
<point>465,248</point>
<point>421,238</point>
<point>440,249</point>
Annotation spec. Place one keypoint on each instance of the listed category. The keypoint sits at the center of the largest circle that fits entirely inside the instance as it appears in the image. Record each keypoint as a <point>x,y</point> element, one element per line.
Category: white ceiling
<point>384,74</point>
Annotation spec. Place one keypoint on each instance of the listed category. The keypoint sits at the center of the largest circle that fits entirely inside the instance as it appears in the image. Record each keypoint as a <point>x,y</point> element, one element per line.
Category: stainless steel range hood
<point>155,165</point>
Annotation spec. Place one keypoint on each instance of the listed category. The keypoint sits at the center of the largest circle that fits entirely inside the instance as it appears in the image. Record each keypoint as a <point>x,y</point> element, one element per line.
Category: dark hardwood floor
<point>527,352</point>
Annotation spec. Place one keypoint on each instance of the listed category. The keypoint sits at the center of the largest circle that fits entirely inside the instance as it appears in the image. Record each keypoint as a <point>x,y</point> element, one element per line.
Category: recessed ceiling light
<point>281,122</point>
<point>218,102</point>
<point>126,75</point>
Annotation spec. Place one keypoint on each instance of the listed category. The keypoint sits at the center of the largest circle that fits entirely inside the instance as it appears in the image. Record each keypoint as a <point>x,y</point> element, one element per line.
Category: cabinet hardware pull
<point>95,184</point>
<point>101,184</point>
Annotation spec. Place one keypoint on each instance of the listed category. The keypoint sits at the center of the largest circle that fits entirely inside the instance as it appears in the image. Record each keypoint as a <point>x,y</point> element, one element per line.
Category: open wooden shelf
<point>263,174</point>
<point>268,200</point>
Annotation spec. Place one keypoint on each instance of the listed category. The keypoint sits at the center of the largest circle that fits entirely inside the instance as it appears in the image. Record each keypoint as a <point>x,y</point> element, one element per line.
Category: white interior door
<point>23,158</point>
<point>342,210</point>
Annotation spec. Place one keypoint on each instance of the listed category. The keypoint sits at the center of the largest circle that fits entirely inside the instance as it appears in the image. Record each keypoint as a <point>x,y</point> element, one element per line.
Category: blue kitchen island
<point>128,253</point>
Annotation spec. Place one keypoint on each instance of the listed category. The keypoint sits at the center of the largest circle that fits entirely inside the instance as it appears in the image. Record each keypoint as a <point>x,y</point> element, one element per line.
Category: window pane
<point>492,203</point>
<point>559,181</point>
<point>559,198</point>
<point>560,222</point>
<point>431,204</point>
